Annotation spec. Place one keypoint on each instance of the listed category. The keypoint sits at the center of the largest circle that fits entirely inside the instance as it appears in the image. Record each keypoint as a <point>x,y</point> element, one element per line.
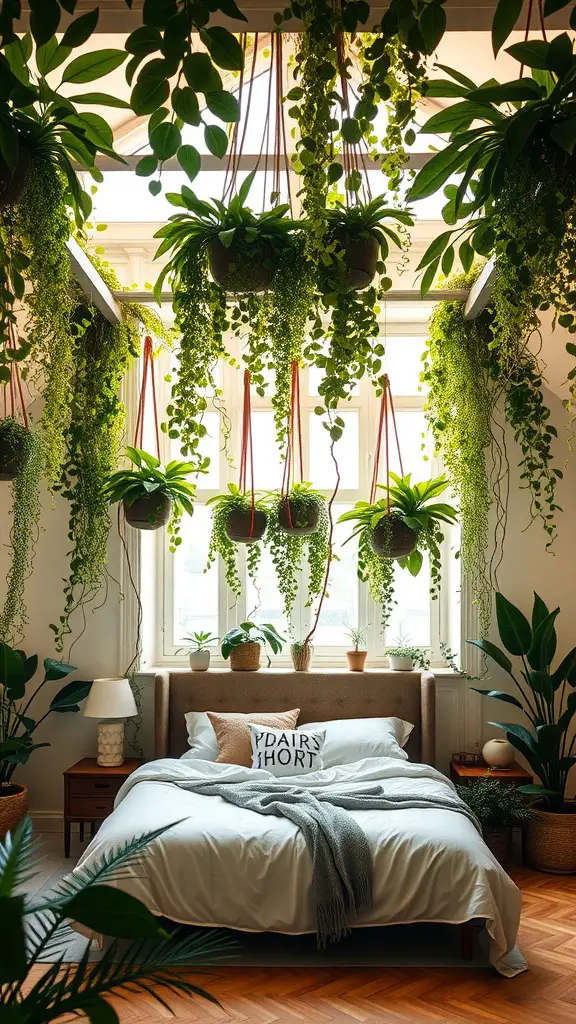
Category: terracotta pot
<point>498,753</point>
<point>356,660</point>
<point>398,664</point>
<point>232,271</point>
<point>499,841</point>
<point>13,458</point>
<point>298,522</point>
<point>13,806</point>
<point>149,513</point>
<point>245,657</point>
<point>199,661</point>
<point>301,658</point>
<point>550,841</point>
<point>12,185</point>
<point>240,529</point>
<point>391,538</point>
<point>360,259</point>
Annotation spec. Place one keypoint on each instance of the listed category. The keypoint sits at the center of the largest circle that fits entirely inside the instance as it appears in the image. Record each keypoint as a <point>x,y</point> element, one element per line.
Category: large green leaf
<point>564,669</point>
<point>436,172</point>
<point>185,104</point>
<point>68,697</point>
<point>513,627</point>
<point>509,92</point>
<point>505,18</point>
<point>56,669</point>
<point>44,19</point>
<point>90,66</point>
<point>200,73</point>
<point>564,134</point>
<point>101,99</point>
<point>500,695</point>
<point>216,140</point>
<point>519,130</point>
<point>223,47</point>
<point>165,140</point>
<point>532,53</point>
<point>149,94</point>
<point>224,105</point>
<point>12,672</point>
<point>112,912</point>
<point>493,652</point>
<point>189,160</point>
<point>432,26</point>
<point>80,30</point>
<point>543,646</point>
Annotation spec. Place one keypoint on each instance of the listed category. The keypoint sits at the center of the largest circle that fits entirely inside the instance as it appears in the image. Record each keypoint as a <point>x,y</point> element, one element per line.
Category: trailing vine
<point>224,505</point>
<point>26,511</point>
<point>288,549</point>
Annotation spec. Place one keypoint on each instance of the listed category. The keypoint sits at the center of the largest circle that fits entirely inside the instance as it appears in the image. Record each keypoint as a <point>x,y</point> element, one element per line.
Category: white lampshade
<point>110,698</point>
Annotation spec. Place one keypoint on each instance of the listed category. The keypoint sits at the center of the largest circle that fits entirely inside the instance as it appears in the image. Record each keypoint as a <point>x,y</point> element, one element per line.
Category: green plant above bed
<point>298,525</point>
<point>149,481</point>
<point>263,633</point>
<point>233,524</point>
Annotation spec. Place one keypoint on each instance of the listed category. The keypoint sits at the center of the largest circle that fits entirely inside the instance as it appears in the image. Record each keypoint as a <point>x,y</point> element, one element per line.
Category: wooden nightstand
<point>513,776</point>
<point>89,791</point>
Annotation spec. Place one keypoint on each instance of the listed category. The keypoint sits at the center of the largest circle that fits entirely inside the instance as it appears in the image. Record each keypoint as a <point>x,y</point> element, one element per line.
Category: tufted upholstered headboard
<point>321,696</point>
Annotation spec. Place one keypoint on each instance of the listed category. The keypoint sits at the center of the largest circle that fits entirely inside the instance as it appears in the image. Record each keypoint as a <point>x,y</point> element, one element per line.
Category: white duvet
<point>226,866</point>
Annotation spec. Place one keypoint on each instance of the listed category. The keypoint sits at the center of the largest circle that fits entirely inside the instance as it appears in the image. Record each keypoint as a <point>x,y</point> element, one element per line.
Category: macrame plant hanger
<point>294,427</point>
<point>147,375</point>
<point>13,396</point>
<point>247,451</point>
<point>387,415</point>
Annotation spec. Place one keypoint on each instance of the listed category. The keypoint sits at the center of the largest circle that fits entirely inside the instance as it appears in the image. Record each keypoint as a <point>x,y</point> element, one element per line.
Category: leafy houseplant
<point>301,653</point>
<point>37,926</point>
<point>236,521</point>
<point>244,643</point>
<point>357,656</point>
<point>153,496</point>
<point>15,447</point>
<point>17,727</point>
<point>403,658</point>
<point>362,238</point>
<point>298,521</point>
<point>26,512</point>
<point>498,808</point>
<point>403,525</point>
<point>198,647</point>
<point>547,698</point>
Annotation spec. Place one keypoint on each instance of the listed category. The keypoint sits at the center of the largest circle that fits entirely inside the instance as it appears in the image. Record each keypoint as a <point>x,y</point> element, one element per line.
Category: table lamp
<point>110,699</point>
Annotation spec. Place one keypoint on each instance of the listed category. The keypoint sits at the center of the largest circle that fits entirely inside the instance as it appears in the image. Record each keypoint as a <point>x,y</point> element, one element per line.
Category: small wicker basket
<point>301,657</point>
<point>550,841</point>
<point>13,806</point>
<point>245,657</point>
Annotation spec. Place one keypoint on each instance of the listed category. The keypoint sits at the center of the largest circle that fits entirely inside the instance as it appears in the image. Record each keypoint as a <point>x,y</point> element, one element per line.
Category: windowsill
<point>282,670</point>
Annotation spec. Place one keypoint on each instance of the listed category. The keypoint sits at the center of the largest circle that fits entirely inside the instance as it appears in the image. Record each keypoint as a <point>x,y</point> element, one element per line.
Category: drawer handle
<point>101,785</point>
<point>100,807</point>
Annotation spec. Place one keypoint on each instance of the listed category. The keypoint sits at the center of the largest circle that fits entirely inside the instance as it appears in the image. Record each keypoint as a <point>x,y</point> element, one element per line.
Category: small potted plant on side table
<point>357,656</point>
<point>198,650</point>
<point>403,658</point>
<point>498,808</point>
<point>244,643</point>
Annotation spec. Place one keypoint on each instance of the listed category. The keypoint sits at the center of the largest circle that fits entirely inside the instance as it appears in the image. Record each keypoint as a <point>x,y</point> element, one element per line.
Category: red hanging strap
<point>294,426</point>
<point>386,406</point>
<point>147,368</point>
<point>247,451</point>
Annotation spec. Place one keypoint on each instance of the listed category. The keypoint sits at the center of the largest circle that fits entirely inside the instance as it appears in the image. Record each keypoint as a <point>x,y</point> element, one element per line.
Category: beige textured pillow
<point>233,734</point>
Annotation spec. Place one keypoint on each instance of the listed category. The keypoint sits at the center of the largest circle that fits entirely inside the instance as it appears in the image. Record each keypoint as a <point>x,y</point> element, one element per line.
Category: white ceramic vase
<point>498,753</point>
<point>199,660</point>
<point>400,664</point>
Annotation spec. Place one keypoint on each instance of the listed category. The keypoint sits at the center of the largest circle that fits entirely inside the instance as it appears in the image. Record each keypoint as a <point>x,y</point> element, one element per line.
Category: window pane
<point>410,618</point>
<point>195,592</point>
<point>322,471</point>
<point>210,447</point>
<point>263,603</point>
<point>340,611</point>
<point>268,464</point>
<point>411,427</point>
<point>403,364</point>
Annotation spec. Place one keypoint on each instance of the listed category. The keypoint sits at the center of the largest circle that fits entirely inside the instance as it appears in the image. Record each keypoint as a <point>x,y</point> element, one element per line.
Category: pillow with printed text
<point>287,751</point>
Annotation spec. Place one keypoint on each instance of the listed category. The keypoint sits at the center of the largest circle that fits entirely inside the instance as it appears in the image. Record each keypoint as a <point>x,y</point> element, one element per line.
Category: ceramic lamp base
<point>110,743</point>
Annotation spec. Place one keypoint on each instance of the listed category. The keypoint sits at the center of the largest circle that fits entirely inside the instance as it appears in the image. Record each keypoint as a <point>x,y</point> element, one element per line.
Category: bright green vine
<point>220,544</point>
<point>26,511</point>
<point>287,550</point>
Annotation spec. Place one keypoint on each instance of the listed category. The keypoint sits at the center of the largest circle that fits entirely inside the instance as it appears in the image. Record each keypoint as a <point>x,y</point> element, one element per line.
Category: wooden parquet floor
<point>546,994</point>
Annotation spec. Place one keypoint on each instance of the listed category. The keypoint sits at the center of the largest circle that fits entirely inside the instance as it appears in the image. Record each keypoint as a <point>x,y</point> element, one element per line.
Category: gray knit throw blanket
<point>341,860</point>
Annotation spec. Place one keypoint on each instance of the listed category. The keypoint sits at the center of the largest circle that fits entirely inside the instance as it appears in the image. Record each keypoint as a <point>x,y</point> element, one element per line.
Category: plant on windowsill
<point>235,520</point>
<point>298,522</point>
<point>401,526</point>
<point>198,649</point>
<point>301,653</point>
<point>153,496</point>
<point>357,657</point>
<point>547,698</point>
<point>498,808</point>
<point>403,658</point>
<point>17,727</point>
<point>244,643</point>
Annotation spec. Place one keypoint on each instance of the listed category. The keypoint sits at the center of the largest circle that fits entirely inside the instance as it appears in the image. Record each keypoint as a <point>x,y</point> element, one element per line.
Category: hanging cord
<point>247,451</point>
<point>236,148</point>
<point>386,409</point>
<point>294,421</point>
<point>15,385</point>
<point>147,368</point>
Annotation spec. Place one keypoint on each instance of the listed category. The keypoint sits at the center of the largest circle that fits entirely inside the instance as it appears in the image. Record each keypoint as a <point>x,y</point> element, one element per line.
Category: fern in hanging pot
<point>238,517</point>
<point>362,239</point>
<point>152,496</point>
<point>298,525</point>
<point>15,448</point>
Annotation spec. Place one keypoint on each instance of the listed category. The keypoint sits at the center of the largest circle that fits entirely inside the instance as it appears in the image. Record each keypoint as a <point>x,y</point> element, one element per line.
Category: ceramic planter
<point>199,660</point>
<point>13,806</point>
<point>245,657</point>
<point>391,538</point>
<point>13,458</point>
<point>300,520</point>
<point>498,753</point>
<point>398,664</point>
<point>550,841</point>
<point>233,271</point>
<point>150,512</point>
<point>12,185</point>
<point>361,255</point>
<point>240,528</point>
<point>301,658</point>
<point>356,660</point>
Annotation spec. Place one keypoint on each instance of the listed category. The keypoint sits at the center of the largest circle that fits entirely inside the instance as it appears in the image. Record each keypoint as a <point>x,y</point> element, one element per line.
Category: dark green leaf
<point>112,912</point>
<point>560,55</point>
<point>493,652</point>
<point>351,130</point>
<point>12,672</point>
<point>435,249</point>
<point>513,627</point>
<point>432,26</point>
<point>69,696</point>
<point>189,160</point>
<point>101,99</point>
<point>543,646</point>
<point>551,6</point>
<point>231,9</point>
<point>98,1010</point>
<point>564,134</point>
<point>44,19</point>
<point>500,695</point>
<point>505,18</point>
<point>148,94</point>
<point>509,92</point>
<point>564,669</point>
<point>223,47</point>
<point>466,254</point>
<point>216,140</point>
<point>201,74</point>
<point>519,130</point>
<point>146,166</point>
<point>532,53</point>
<point>13,960</point>
<point>223,104</point>
<point>436,172</point>
<point>51,56</point>
<point>185,105</point>
<point>56,669</point>
<point>144,40</point>
<point>81,29</point>
<point>165,140</point>
<point>90,66</point>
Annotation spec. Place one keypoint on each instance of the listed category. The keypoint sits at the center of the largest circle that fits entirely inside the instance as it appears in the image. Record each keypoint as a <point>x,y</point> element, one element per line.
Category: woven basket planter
<point>499,841</point>
<point>391,538</point>
<point>301,658</point>
<point>550,841</point>
<point>149,513</point>
<point>245,657</point>
<point>13,806</point>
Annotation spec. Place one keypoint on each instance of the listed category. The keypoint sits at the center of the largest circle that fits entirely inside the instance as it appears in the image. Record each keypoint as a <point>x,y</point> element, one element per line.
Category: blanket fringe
<point>333,920</point>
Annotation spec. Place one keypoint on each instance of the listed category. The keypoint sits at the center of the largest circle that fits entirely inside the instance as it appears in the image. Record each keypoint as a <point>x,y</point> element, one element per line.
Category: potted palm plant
<point>243,645</point>
<point>357,656</point>
<point>153,496</point>
<point>498,809</point>
<point>198,648</point>
<point>15,448</point>
<point>363,238</point>
<point>17,727</point>
<point>546,696</point>
<point>401,526</point>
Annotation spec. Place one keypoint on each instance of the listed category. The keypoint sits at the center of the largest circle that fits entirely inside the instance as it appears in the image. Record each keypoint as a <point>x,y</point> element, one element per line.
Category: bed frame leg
<point>467,940</point>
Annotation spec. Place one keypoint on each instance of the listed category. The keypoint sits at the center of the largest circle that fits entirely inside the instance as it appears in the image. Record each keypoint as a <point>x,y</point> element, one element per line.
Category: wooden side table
<point>89,792</point>
<point>515,775</point>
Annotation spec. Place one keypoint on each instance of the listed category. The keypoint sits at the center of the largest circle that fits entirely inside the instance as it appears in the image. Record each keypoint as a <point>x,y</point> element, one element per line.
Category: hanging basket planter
<point>238,268</point>
<point>12,185</point>
<point>298,519</point>
<point>391,538</point>
<point>361,255</point>
<point>242,529</point>
<point>150,512</point>
<point>15,448</point>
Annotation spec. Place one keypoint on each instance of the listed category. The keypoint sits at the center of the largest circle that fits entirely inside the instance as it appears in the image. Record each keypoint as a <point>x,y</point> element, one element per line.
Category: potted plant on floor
<point>237,519</point>
<point>402,526</point>
<point>547,698</point>
<point>15,447</point>
<point>17,727</point>
<point>243,645</point>
<point>362,239</point>
<point>403,658</point>
<point>357,656</point>
<point>301,654</point>
<point>153,496</point>
<point>298,523</point>
<point>199,650</point>
<point>498,808</point>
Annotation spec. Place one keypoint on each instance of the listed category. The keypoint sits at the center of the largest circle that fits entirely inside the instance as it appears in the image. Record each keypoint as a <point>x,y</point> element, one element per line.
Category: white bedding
<point>226,866</point>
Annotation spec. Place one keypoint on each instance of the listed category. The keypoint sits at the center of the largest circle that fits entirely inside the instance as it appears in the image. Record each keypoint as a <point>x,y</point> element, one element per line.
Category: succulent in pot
<point>403,658</point>
<point>198,648</point>
<point>244,644</point>
<point>402,527</point>
<point>498,808</point>
<point>357,656</point>
<point>362,238</point>
<point>153,496</point>
<point>15,448</point>
<point>237,518</point>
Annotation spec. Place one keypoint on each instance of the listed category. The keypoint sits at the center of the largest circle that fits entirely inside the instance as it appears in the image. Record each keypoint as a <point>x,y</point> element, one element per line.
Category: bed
<point>228,866</point>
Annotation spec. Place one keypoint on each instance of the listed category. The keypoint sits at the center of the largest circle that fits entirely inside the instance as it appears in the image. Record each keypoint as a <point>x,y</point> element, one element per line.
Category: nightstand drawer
<point>90,808</point>
<point>94,786</point>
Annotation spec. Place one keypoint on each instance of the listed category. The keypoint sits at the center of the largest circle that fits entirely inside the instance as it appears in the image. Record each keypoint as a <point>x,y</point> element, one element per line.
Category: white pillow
<point>287,751</point>
<point>351,739</point>
<point>201,736</point>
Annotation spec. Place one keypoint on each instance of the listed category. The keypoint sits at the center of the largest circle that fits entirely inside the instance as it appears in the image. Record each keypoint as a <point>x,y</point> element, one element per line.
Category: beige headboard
<point>321,696</point>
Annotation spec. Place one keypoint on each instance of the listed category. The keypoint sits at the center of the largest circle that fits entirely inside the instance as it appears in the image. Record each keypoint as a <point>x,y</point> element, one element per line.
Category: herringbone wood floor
<point>380,995</point>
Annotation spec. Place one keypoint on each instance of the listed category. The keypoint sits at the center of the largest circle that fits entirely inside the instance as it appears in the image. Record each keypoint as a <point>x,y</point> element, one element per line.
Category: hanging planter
<point>152,496</point>
<point>13,183</point>
<point>391,538</point>
<point>150,512</point>
<point>363,238</point>
<point>239,267</point>
<point>15,448</point>
<point>244,524</point>
<point>299,511</point>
